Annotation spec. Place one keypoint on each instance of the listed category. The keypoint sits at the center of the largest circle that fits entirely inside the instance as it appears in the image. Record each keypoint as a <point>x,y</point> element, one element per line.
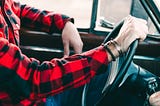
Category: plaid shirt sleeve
<point>40,20</point>
<point>32,79</point>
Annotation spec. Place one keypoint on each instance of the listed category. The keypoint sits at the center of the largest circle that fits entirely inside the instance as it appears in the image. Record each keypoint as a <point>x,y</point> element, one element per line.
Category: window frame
<point>152,11</point>
<point>91,29</point>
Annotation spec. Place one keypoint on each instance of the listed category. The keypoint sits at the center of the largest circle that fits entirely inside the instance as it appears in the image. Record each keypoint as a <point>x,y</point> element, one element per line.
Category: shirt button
<point>9,12</point>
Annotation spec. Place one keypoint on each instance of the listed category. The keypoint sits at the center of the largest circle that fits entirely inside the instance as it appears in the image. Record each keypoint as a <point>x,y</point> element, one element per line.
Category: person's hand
<point>132,29</point>
<point>154,99</point>
<point>71,38</point>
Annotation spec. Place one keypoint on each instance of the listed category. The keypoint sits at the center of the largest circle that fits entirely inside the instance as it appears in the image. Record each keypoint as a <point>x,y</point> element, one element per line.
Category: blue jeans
<point>73,97</point>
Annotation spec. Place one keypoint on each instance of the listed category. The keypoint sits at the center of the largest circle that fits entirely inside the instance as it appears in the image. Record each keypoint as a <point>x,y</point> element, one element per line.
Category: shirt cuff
<point>59,21</point>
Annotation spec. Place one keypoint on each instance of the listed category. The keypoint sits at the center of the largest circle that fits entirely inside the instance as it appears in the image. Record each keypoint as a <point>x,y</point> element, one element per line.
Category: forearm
<point>34,80</point>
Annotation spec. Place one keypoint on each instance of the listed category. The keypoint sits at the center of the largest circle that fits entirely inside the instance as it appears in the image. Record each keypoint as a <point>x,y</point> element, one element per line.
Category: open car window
<point>112,12</point>
<point>96,15</point>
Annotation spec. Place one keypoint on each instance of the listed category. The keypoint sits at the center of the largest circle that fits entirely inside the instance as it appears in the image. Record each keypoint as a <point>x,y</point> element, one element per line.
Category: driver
<point>25,81</point>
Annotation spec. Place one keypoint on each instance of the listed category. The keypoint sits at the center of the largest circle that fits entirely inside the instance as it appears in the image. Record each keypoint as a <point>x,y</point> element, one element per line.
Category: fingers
<point>144,34</point>
<point>78,49</point>
<point>132,29</point>
<point>139,26</point>
<point>71,38</point>
<point>140,20</point>
<point>142,28</point>
<point>131,18</point>
<point>66,49</point>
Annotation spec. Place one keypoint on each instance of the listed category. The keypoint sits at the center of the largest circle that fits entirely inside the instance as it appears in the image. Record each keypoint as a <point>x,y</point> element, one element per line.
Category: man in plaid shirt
<point>25,81</point>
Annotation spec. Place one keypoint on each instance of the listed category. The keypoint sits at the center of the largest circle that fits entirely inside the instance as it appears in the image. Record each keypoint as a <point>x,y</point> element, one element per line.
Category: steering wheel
<point>117,71</point>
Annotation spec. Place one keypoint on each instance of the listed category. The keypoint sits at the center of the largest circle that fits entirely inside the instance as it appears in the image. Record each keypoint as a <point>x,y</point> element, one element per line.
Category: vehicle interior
<point>147,55</point>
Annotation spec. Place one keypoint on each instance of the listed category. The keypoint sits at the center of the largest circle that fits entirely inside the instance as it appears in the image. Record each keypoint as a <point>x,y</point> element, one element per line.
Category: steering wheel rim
<point>122,68</point>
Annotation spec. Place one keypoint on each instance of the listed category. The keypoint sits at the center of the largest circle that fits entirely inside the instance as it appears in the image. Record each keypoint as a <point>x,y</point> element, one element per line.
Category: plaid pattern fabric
<point>25,81</point>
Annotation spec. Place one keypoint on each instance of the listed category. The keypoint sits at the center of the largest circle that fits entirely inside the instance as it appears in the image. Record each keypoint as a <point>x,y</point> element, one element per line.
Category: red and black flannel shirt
<point>25,81</point>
